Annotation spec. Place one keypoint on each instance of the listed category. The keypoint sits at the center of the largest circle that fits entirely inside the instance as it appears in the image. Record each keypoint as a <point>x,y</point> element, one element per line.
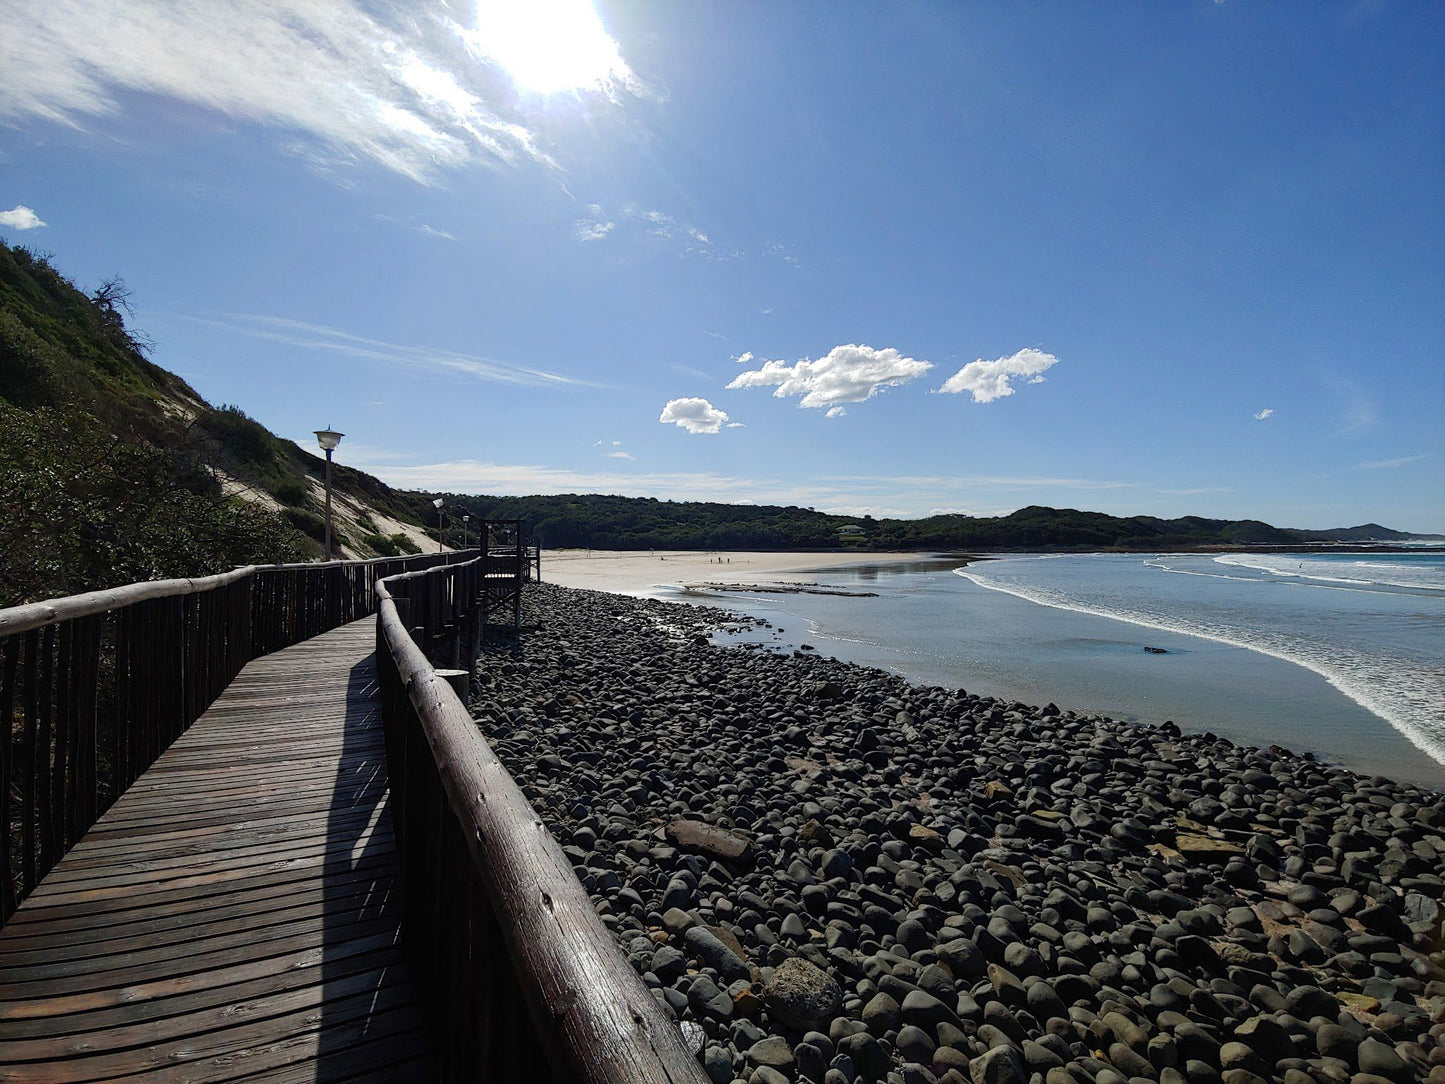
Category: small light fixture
<point>328,438</point>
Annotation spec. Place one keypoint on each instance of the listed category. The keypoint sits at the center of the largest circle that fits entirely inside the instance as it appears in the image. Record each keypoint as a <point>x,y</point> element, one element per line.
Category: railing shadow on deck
<point>358,824</point>
<point>519,973</point>
<point>94,687</point>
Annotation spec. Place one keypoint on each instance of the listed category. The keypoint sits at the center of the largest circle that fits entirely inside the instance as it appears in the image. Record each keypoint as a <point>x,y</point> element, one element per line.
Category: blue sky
<point>1150,258</point>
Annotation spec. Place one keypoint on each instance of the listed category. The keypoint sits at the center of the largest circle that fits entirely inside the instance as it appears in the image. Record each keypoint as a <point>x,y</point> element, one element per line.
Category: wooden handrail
<point>34,615</point>
<point>462,823</point>
<point>94,687</point>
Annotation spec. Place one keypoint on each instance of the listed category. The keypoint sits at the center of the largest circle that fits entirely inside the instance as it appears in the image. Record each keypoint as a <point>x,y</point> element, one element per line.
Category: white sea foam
<point>1408,695</point>
<point>1356,573</point>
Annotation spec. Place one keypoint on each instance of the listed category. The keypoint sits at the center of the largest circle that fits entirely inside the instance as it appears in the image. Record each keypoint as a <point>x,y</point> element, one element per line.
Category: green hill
<point>611,522</point>
<point>114,470</point>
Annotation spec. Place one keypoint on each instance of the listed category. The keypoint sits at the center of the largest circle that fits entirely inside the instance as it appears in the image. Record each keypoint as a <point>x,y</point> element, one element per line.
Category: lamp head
<point>328,439</point>
<point>437,503</point>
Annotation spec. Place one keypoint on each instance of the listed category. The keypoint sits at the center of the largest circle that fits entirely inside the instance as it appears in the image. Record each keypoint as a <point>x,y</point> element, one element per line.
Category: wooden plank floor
<point>234,915</point>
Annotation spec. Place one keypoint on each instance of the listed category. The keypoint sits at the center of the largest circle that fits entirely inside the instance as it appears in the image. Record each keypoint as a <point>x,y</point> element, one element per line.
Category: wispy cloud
<point>1389,464</point>
<point>919,495</point>
<point>640,224</point>
<point>1267,412</point>
<point>781,252</point>
<point>614,449</point>
<point>349,82</point>
<point>1360,415</point>
<point>990,380</point>
<point>1358,411</point>
<point>590,230</point>
<point>432,231</point>
<point>693,414</point>
<point>20,217</point>
<point>329,340</point>
<point>990,481</point>
<point>846,374</point>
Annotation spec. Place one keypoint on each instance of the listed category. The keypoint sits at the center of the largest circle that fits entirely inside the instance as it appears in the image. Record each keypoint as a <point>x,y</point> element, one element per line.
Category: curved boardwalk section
<point>234,915</point>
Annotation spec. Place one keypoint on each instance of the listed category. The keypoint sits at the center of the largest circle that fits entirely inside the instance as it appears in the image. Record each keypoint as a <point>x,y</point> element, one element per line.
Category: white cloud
<point>1263,414</point>
<point>989,380</point>
<point>744,358</point>
<point>735,425</point>
<point>846,374</point>
<point>587,230</point>
<point>433,232</point>
<point>620,455</point>
<point>304,336</point>
<point>693,414</point>
<point>346,81</point>
<point>836,412</point>
<point>1389,464</point>
<point>20,217</point>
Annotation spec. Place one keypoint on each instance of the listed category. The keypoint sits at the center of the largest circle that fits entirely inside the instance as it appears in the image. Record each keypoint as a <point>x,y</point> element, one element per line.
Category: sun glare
<point>547,46</point>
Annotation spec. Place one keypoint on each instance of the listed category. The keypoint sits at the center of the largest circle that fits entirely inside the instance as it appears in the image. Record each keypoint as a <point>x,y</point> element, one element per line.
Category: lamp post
<point>465,520</point>
<point>328,439</point>
<point>441,520</point>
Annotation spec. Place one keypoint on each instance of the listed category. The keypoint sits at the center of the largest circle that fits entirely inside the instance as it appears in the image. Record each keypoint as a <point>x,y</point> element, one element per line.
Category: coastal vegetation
<point>630,523</point>
<point>113,469</point>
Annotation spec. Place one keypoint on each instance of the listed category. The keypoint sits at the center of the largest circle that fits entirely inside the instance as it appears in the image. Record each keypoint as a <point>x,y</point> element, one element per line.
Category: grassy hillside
<point>113,469</point>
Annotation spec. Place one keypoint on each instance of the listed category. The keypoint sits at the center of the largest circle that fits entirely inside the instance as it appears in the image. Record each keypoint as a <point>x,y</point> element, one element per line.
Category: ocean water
<point>1339,654</point>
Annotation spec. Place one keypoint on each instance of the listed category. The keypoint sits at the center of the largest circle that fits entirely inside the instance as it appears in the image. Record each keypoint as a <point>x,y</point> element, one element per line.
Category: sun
<point>548,46</point>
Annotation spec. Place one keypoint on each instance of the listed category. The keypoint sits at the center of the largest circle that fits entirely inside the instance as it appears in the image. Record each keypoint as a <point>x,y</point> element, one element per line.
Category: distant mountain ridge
<point>612,522</point>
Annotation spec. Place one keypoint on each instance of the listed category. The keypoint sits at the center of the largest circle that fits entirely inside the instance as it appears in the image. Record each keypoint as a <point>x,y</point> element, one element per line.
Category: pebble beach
<point>827,874</point>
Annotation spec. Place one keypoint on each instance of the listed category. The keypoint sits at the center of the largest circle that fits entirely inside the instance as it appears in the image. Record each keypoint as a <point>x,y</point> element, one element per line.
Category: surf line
<point>1354,690</point>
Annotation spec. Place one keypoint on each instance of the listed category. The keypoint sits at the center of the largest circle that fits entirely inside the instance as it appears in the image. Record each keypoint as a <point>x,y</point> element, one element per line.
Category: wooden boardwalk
<point>234,915</point>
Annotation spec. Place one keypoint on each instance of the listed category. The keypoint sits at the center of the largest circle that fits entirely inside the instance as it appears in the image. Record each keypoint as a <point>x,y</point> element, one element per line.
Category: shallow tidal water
<point>1260,653</point>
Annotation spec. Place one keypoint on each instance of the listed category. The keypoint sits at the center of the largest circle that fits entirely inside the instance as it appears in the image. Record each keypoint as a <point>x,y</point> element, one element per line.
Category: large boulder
<point>802,995</point>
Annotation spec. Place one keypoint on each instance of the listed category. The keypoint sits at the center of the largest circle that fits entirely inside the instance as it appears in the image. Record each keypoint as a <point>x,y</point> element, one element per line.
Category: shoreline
<point>643,573</point>
<point>1114,686</point>
<point>819,866</point>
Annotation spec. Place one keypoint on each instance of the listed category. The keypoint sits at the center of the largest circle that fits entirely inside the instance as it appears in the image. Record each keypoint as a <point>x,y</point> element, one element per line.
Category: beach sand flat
<point>639,572</point>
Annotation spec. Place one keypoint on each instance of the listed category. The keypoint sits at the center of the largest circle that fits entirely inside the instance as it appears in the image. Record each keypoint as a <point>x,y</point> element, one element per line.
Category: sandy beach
<point>637,573</point>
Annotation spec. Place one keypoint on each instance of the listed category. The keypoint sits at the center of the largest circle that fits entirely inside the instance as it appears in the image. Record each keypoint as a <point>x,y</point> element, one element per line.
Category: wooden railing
<point>521,975</point>
<point>94,687</point>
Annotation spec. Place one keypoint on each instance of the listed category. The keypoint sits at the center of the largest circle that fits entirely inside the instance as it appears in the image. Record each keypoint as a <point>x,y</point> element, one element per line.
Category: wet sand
<point>640,573</point>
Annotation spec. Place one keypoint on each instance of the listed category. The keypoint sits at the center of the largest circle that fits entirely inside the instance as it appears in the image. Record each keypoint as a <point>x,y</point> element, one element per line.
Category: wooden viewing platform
<point>234,915</point>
